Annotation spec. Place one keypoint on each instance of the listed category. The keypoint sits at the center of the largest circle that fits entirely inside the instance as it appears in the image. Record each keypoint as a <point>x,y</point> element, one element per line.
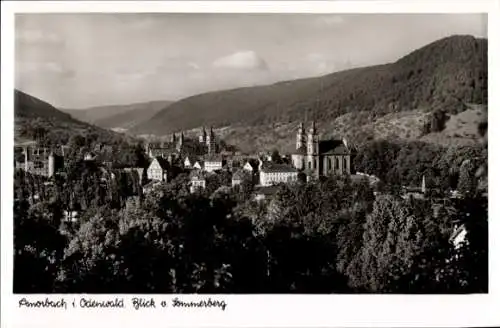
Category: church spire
<point>313,128</point>
<point>300,136</point>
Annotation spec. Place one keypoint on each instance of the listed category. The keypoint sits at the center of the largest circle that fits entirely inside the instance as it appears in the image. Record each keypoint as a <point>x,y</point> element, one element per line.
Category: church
<point>320,157</point>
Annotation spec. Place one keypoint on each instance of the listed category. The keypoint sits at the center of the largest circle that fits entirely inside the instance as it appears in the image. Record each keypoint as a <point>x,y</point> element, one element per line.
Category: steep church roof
<point>278,168</point>
<point>163,162</point>
<point>333,147</point>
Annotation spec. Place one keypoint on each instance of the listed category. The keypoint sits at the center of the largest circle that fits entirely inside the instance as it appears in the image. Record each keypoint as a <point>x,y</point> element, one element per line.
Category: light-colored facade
<point>212,164</point>
<point>198,165</point>
<point>197,182</point>
<point>41,161</point>
<point>157,170</point>
<point>187,163</point>
<point>248,167</point>
<point>277,173</point>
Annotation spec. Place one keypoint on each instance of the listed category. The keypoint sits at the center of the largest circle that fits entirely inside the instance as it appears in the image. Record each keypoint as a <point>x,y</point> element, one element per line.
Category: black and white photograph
<point>250,153</point>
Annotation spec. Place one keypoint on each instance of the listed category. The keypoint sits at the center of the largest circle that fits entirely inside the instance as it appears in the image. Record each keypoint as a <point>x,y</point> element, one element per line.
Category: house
<point>271,174</point>
<point>197,181</point>
<point>158,169</point>
<point>251,166</point>
<point>213,163</point>
<point>90,156</point>
<point>170,149</point>
<point>198,165</point>
<point>40,161</point>
<point>188,163</point>
<point>70,216</point>
<point>458,236</point>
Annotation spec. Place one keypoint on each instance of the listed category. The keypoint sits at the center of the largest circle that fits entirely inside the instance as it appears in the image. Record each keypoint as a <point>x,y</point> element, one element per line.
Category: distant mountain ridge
<point>119,116</point>
<point>447,74</point>
<point>37,120</point>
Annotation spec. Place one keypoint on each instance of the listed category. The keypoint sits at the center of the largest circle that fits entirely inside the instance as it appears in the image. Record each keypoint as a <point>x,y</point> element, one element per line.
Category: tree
<point>276,157</point>
<point>467,181</point>
<point>38,246</point>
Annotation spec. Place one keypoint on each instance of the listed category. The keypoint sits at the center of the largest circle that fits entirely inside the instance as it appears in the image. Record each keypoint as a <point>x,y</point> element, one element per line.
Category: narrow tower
<point>313,150</point>
<point>52,164</point>
<point>423,185</point>
<point>312,141</point>
<point>203,136</point>
<point>211,142</point>
<point>300,137</point>
<point>181,142</point>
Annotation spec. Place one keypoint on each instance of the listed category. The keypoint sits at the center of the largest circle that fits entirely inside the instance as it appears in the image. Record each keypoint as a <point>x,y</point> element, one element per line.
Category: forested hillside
<point>447,74</point>
<point>118,116</point>
<point>40,121</point>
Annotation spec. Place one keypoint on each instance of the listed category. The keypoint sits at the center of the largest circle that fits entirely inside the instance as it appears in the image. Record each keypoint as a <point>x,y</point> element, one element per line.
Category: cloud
<point>48,67</point>
<point>329,20</point>
<point>319,63</point>
<point>38,37</point>
<point>193,65</point>
<point>244,60</point>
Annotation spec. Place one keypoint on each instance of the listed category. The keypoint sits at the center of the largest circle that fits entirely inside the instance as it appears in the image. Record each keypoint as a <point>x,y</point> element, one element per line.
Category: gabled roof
<point>253,162</point>
<point>278,168</point>
<point>163,162</point>
<point>333,147</point>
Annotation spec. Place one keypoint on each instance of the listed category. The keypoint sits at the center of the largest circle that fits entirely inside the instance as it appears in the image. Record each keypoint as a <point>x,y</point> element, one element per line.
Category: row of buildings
<point>313,157</point>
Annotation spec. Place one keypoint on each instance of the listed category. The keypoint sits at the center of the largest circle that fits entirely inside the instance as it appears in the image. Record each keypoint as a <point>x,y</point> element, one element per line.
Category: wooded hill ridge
<point>447,74</point>
<point>118,116</point>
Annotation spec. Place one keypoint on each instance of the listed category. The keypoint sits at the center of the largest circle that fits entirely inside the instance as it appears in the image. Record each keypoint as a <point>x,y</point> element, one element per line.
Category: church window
<point>338,163</point>
<point>309,164</point>
<point>345,163</point>
<point>329,163</point>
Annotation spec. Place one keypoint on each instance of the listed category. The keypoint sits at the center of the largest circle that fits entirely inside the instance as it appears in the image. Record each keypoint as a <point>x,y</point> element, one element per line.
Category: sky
<point>88,59</point>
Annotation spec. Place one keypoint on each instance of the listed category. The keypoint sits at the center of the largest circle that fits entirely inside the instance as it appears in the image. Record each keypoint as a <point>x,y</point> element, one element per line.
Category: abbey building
<point>320,157</point>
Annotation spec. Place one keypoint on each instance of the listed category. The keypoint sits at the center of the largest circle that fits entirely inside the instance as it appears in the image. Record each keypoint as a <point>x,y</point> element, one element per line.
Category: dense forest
<point>447,74</point>
<point>334,235</point>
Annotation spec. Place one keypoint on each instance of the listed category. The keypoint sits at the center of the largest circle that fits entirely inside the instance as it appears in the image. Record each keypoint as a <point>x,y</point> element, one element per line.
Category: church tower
<point>300,137</point>
<point>211,142</point>
<point>203,136</point>
<point>181,142</point>
<point>313,141</point>
<point>313,150</point>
